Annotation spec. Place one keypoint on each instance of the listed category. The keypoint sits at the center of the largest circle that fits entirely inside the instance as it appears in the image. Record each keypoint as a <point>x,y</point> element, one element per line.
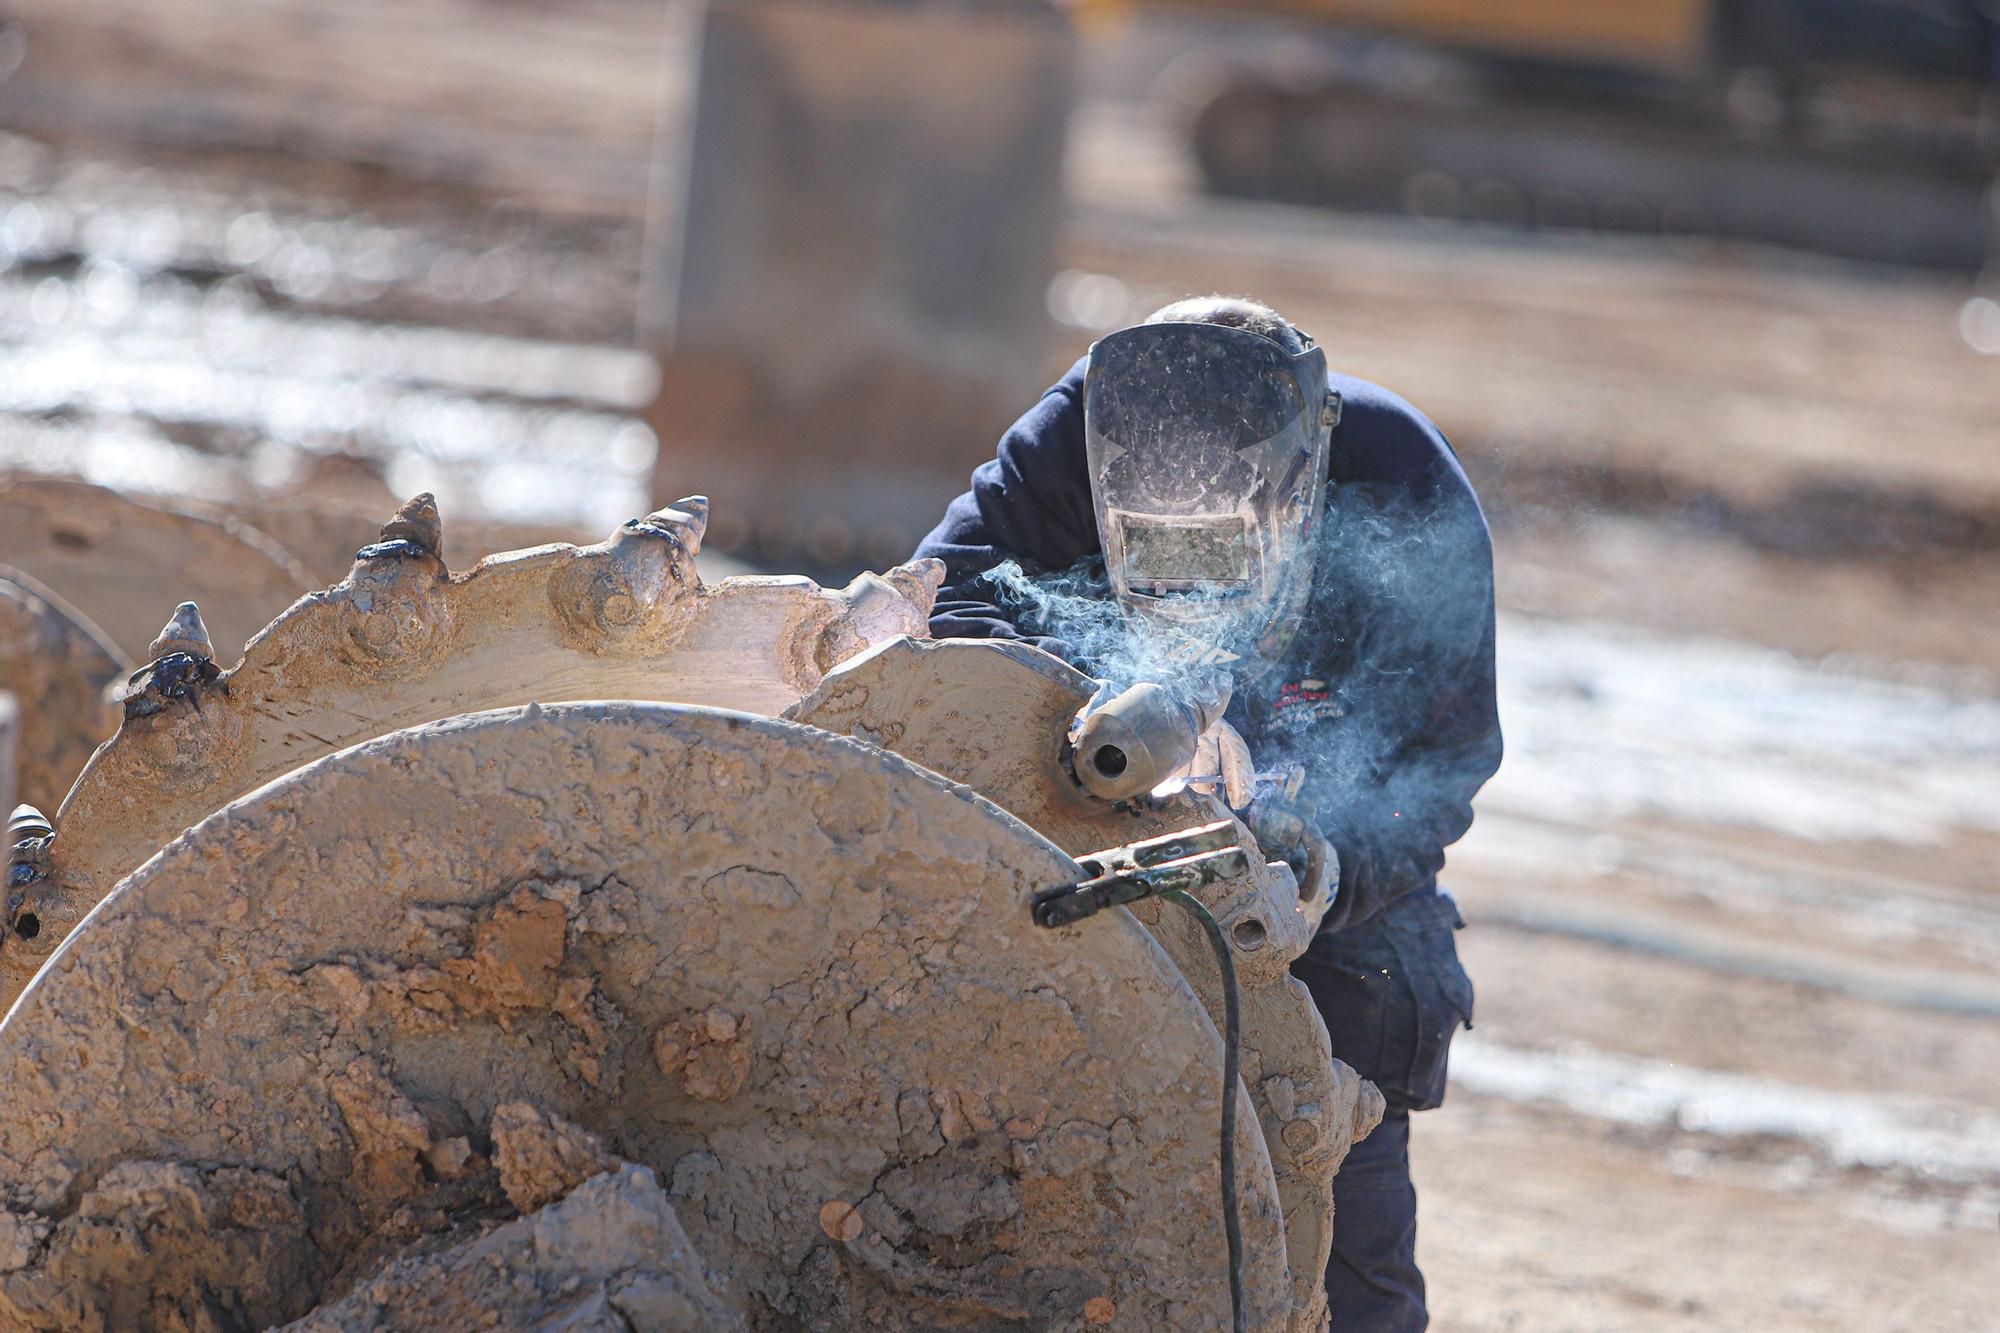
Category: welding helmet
<point>1208,451</point>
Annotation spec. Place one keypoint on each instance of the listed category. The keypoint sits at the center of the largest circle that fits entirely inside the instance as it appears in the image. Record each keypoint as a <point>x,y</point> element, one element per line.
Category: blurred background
<point>1704,292</point>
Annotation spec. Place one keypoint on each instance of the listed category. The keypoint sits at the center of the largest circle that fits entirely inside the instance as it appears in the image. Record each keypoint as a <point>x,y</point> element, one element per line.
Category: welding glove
<point>1223,766</point>
<point>1287,828</point>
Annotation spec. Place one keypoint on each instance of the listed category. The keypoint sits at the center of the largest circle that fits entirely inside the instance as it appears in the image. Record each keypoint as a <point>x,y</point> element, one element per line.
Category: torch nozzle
<point>1141,737</point>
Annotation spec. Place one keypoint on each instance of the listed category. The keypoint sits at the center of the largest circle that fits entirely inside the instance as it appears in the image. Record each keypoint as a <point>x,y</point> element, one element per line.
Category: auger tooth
<point>26,858</point>
<point>27,822</point>
<point>918,580</point>
<point>184,633</point>
<point>686,518</point>
<point>696,509</point>
<point>417,523</point>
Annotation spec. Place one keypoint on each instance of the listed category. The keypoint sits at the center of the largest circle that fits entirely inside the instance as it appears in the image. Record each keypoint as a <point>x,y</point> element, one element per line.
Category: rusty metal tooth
<point>183,662</point>
<point>184,633</point>
<point>28,836</point>
<point>27,822</point>
<point>918,580</point>
<point>416,530</point>
<point>684,521</point>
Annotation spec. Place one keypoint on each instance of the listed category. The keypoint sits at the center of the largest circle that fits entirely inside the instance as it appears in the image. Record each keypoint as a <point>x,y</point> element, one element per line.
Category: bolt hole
<point>1249,935</point>
<point>1110,760</point>
<point>27,925</point>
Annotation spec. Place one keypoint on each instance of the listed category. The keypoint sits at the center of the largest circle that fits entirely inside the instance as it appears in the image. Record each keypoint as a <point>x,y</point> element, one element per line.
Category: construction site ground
<point>1733,904</point>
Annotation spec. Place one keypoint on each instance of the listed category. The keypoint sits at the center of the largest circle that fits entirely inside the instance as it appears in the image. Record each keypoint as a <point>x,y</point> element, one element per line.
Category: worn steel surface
<point>793,976</point>
<point>57,665</point>
<point>125,562</point>
<point>401,641</point>
<point>995,716</point>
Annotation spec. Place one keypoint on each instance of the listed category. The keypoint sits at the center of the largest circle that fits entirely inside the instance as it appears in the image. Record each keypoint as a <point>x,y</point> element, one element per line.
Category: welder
<point>1200,493</point>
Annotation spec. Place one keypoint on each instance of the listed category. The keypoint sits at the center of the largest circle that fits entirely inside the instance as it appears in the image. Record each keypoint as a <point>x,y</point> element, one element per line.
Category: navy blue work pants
<point>1372,1282</point>
<point>1392,992</point>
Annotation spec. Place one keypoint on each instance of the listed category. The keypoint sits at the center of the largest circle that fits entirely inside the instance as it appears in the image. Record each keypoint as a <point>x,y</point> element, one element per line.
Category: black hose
<point>1232,1023</point>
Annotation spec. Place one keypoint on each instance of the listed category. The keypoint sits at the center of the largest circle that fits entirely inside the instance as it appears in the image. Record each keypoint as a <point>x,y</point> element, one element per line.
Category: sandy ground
<point>1733,898</point>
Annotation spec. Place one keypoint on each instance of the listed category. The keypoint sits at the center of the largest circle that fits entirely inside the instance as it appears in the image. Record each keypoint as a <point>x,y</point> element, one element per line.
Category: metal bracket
<point>1186,860</point>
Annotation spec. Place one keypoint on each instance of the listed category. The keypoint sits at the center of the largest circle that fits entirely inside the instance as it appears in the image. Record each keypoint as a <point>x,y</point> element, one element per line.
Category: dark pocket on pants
<point>1442,994</point>
<point>1359,999</point>
<point>1392,993</point>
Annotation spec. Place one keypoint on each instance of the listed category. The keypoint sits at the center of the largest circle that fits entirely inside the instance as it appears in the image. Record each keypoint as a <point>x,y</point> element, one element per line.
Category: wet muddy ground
<point>1735,919</point>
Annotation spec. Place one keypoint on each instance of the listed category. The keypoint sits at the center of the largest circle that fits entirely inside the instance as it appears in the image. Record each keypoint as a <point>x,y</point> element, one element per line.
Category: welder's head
<point>1207,431</point>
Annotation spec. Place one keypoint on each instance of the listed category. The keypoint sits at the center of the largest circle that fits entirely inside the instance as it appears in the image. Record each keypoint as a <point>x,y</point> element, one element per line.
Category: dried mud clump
<point>390,1137</point>
<point>611,1256</point>
<point>709,1054</point>
<point>543,1157</point>
<point>159,1245</point>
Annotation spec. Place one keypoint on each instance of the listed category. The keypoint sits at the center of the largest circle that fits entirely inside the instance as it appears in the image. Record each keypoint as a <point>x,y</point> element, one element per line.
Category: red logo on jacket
<point>1295,692</point>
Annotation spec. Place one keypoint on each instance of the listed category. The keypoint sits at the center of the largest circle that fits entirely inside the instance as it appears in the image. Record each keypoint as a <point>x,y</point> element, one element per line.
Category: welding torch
<point>1141,737</point>
<point>1150,739</point>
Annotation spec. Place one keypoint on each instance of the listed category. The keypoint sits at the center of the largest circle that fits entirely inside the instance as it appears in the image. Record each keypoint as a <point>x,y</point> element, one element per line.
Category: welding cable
<point>1232,1043</point>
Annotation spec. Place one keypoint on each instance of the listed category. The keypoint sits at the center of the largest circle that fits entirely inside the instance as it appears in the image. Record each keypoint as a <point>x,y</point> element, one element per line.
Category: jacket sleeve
<point>1029,504</point>
<point>1395,774</point>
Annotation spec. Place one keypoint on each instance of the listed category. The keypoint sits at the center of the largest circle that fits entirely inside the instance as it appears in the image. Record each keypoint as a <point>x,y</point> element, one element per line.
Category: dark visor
<point>1191,387</point>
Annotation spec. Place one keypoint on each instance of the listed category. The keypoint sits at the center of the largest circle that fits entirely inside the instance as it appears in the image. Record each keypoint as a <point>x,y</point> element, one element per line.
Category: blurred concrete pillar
<point>848,268</point>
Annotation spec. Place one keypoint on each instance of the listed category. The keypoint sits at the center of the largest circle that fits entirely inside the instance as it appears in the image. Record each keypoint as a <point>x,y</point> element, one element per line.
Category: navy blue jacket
<point>1386,695</point>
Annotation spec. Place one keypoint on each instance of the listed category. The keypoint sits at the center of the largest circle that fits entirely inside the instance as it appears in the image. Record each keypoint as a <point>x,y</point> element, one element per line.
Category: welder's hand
<point>1288,831</point>
<point>1223,764</point>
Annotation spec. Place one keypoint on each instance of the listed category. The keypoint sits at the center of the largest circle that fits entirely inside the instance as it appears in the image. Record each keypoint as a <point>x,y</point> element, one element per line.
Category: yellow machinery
<point>1863,128</point>
<point>1665,34</point>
